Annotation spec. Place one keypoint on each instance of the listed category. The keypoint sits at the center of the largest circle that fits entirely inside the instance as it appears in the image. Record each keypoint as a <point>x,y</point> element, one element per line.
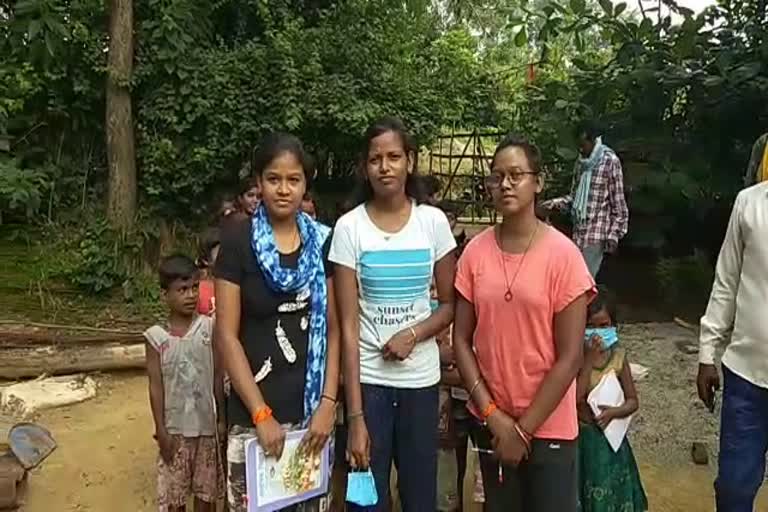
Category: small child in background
<point>208,251</point>
<point>308,205</point>
<point>454,426</point>
<point>610,480</point>
<point>452,211</point>
<point>184,392</point>
<point>448,486</point>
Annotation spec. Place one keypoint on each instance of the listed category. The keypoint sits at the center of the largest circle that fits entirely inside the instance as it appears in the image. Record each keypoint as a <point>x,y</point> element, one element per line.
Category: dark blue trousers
<point>402,425</point>
<point>743,443</point>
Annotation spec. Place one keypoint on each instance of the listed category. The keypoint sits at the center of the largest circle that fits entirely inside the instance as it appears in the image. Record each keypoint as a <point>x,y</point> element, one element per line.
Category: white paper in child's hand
<point>608,393</point>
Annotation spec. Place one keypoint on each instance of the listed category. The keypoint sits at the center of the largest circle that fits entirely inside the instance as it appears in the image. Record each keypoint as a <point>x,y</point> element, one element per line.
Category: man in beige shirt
<point>737,318</point>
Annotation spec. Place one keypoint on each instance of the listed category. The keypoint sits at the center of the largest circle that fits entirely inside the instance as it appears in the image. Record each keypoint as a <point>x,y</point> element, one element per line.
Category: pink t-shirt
<point>514,341</point>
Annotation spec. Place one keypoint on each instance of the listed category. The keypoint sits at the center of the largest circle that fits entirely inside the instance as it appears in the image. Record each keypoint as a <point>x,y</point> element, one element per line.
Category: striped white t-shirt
<point>394,272</point>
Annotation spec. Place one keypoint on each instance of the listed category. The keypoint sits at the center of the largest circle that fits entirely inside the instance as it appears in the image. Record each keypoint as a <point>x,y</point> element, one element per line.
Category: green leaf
<point>566,153</point>
<point>56,26</point>
<point>561,104</point>
<point>34,28</point>
<point>713,81</point>
<point>26,7</point>
<point>579,42</point>
<point>578,6</point>
<point>49,43</point>
<point>559,7</point>
<point>646,26</point>
<point>620,8</point>
<point>580,63</point>
<point>521,38</point>
<point>607,7</point>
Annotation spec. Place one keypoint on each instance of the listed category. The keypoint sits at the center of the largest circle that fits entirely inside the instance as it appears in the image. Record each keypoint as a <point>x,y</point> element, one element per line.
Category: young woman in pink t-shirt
<point>523,290</point>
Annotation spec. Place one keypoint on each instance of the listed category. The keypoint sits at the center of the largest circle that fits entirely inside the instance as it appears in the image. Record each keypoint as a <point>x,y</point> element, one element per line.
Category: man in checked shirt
<point>596,202</point>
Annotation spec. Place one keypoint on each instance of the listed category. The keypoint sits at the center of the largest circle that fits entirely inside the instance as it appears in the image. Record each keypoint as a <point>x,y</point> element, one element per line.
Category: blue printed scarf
<point>584,168</point>
<point>309,273</point>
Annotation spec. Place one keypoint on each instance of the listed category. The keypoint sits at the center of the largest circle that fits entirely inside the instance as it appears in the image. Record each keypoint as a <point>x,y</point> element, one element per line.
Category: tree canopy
<point>681,100</point>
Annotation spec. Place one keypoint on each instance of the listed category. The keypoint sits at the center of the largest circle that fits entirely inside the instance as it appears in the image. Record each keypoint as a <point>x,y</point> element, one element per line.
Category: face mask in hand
<point>608,336</point>
<point>361,488</point>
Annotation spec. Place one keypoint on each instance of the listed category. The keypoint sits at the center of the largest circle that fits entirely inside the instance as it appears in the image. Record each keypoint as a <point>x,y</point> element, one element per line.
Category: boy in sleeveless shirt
<point>182,373</point>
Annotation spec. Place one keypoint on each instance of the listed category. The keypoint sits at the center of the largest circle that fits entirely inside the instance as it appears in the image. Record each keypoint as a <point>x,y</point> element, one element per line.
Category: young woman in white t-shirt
<point>387,251</point>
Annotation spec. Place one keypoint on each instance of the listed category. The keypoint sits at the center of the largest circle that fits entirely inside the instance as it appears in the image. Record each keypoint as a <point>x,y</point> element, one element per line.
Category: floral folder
<point>274,484</point>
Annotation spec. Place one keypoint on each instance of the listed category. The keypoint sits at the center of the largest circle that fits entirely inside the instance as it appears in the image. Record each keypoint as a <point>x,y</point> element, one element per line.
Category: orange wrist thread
<point>261,414</point>
<point>489,410</point>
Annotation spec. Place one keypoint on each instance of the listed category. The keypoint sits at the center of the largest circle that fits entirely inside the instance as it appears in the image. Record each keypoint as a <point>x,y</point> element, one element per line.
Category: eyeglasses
<point>496,178</point>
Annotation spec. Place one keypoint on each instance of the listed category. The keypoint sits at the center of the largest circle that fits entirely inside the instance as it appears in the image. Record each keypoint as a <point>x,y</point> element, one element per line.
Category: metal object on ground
<point>31,444</point>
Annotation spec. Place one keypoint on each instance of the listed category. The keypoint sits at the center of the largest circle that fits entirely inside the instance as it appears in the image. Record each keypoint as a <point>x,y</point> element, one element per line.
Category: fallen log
<point>33,339</point>
<point>16,363</point>
<point>66,327</point>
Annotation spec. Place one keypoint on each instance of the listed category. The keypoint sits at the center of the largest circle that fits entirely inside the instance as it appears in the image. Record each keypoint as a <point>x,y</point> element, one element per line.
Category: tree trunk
<point>16,363</point>
<point>121,149</point>
<point>167,237</point>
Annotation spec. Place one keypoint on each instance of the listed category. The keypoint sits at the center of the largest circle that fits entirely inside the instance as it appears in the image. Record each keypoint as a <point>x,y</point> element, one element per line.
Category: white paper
<point>639,372</point>
<point>608,393</point>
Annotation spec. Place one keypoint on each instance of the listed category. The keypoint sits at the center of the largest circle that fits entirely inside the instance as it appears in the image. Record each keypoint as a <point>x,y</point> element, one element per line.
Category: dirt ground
<point>106,457</point>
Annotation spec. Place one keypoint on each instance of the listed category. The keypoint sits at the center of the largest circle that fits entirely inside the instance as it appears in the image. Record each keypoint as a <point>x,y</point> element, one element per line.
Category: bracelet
<point>523,437</point>
<point>527,434</point>
<point>489,409</point>
<point>353,415</point>
<point>261,415</point>
<point>474,386</point>
<point>413,333</point>
<point>328,397</point>
<point>522,433</point>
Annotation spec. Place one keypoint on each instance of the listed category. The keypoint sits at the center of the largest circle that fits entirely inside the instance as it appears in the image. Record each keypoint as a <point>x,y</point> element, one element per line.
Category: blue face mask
<point>434,304</point>
<point>361,488</point>
<point>608,335</point>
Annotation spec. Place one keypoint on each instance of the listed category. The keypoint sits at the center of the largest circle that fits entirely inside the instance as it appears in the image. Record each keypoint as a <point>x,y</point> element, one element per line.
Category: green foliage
<point>681,279</point>
<point>212,77</point>
<point>16,84</point>
<point>21,190</point>
<point>323,75</point>
<point>681,104</point>
<point>98,260</point>
<point>142,289</point>
<point>103,258</point>
<point>52,95</point>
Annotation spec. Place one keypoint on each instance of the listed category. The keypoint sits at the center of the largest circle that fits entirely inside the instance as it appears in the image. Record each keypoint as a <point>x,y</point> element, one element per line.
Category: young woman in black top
<point>277,331</point>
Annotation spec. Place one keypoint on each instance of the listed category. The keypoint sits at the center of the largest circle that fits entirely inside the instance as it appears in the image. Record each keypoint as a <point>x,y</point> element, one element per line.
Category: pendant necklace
<point>508,295</point>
